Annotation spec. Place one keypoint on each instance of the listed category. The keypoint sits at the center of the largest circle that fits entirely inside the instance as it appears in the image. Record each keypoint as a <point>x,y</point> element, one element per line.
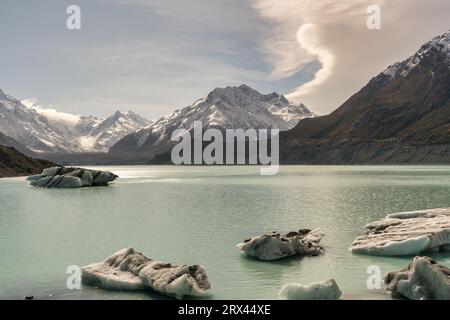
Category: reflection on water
<point>198,214</point>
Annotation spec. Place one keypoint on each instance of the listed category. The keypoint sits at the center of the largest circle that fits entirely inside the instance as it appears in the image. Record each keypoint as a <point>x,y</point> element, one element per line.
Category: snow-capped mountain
<point>439,45</point>
<point>10,142</point>
<point>49,131</point>
<point>100,135</point>
<point>228,108</point>
<point>401,116</point>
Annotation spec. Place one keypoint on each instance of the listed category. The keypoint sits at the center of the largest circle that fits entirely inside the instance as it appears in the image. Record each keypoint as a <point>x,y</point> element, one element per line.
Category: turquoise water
<point>197,215</point>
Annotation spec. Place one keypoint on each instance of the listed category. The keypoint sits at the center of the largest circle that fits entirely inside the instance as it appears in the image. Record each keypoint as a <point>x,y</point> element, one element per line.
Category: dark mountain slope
<point>13,163</point>
<point>402,115</point>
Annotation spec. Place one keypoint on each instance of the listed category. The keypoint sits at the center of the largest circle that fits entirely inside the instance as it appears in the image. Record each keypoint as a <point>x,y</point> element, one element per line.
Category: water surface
<point>197,215</point>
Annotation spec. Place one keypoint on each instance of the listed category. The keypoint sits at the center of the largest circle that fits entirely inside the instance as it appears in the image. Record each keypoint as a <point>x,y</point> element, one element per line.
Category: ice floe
<point>275,246</point>
<point>423,279</point>
<point>326,290</point>
<point>128,269</point>
<point>62,177</point>
<point>406,233</point>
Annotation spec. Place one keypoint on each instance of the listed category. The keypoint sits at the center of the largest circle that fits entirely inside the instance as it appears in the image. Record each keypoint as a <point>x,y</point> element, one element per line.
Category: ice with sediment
<point>406,233</point>
<point>423,279</point>
<point>128,269</point>
<point>274,246</point>
<point>65,177</point>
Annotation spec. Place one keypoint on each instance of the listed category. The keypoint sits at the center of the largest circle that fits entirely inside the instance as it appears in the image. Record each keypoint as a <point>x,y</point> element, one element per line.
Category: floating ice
<point>326,290</point>
<point>406,233</point>
<point>274,246</point>
<point>128,269</point>
<point>423,279</point>
<point>61,177</point>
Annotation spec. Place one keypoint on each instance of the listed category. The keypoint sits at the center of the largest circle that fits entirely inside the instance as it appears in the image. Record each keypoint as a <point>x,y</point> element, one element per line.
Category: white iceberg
<point>326,290</point>
<point>128,269</point>
<point>406,233</point>
<point>423,279</point>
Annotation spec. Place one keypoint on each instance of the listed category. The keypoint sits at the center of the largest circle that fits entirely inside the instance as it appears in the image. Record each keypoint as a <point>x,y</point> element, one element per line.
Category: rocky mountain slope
<point>14,163</point>
<point>10,142</point>
<point>223,108</point>
<point>401,116</point>
<point>45,132</point>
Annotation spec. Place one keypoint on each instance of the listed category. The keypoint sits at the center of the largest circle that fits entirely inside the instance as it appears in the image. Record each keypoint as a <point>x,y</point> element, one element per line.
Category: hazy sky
<point>155,56</point>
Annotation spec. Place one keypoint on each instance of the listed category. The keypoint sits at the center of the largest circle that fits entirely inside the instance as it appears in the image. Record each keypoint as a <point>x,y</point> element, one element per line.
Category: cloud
<point>167,53</point>
<point>335,33</point>
<point>307,37</point>
<point>51,114</point>
<point>295,38</point>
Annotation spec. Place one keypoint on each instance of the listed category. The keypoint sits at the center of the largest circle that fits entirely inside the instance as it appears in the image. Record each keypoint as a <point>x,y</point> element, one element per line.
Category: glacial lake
<point>197,215</point>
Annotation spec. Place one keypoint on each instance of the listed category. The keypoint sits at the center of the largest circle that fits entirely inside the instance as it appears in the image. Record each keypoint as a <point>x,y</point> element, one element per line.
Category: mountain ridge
<point>49,131</point>
<point>406,109</point>
<point>232,107</point>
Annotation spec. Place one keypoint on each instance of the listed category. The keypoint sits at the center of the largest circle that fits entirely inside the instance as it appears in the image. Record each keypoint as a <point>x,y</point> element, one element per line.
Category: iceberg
<point>326,290</point>
<point>274,246</point>
<point>423,279</point>
<point>406,233</point>
<point>128,269</point>
<point>62,177</point>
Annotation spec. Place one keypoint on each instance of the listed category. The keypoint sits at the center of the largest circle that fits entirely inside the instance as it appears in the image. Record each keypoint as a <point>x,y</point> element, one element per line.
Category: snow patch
<point>440,44</point>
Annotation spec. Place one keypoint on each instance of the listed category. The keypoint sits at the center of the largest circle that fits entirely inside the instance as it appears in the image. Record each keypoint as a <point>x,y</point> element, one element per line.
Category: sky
<point>156,56</point>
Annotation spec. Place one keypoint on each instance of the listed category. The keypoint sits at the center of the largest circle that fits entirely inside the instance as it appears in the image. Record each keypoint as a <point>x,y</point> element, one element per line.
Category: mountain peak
<point>47,130</point>
<point>2,94</point>
<point>118,114</point>
<point>232,107</point>
<point>439,46</point>
<point>443,39</point>
<point>440,43</point>
<point>242,89</point>
<point>244,86</point>
<point>242,95</point>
